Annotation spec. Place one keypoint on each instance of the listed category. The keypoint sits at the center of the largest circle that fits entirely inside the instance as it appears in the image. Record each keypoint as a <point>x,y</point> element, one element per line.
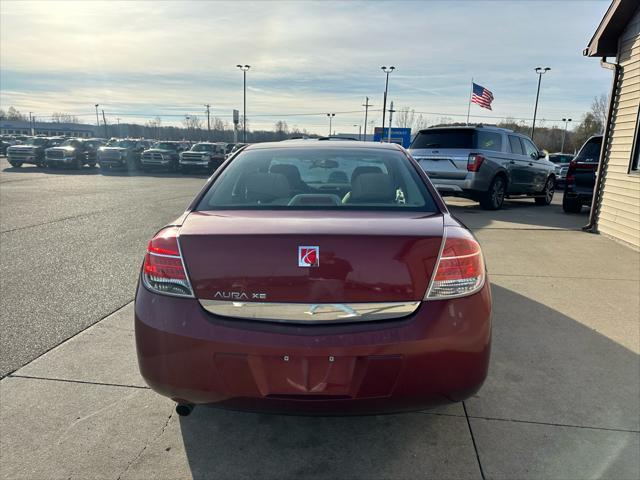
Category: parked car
<point>202,155</point>
<point>235,148</point>
<point>92,145</point>
<point>315,277</point>
<point>3,147</point>
<point>485,164</point>
<point>31,151</point>
<point>73,153</point>
<point>581,176</point>
<point>123,153</point>
<point>162,154</point>
<point>561,161</point>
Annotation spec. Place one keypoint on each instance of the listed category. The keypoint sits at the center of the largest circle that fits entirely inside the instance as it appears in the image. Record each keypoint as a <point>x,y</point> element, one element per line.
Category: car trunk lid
<point>362,256</point>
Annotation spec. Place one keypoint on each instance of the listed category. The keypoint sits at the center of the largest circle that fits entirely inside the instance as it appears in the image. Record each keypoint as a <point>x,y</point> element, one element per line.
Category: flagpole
<point>470,96</point>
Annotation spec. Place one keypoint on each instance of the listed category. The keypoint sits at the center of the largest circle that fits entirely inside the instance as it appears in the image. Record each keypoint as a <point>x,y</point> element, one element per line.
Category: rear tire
<point>16,164</point>
<point>493,199</point>
<point>547,193</point>
<point>571,205</point>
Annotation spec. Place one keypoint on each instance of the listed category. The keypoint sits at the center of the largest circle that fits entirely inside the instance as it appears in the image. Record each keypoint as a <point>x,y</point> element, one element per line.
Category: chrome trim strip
<point>309,313</point>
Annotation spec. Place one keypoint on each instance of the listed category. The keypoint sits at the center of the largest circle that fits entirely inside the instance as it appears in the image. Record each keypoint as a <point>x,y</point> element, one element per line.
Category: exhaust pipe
<point>184,409</point>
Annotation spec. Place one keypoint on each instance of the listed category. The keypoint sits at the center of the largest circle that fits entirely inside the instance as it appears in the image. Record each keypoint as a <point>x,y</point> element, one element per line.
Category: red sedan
<point>315,277</point>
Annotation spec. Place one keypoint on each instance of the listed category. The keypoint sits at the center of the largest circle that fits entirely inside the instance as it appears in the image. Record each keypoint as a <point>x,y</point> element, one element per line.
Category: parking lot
<point>561,399</point>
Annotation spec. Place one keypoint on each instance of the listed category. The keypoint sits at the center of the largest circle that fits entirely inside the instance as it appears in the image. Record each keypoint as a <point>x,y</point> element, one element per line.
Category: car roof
<point>305,144</point>
<point>465,127</point>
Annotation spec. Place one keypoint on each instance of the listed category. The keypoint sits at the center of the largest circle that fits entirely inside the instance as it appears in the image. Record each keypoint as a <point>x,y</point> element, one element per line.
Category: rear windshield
<point>459,138</point>
<point>340,179</point>
<point>590,151</point>
<point>454,138</point>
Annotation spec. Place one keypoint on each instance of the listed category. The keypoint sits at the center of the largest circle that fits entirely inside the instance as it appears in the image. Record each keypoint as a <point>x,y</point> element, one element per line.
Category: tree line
<point>194,128</point>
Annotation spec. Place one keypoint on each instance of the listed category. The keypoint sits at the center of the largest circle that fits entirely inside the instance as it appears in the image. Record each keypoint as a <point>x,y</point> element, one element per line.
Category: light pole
<point>32,124</point>
<point>540,71</point>
<point>244,69</point>
<point>366,106</point>
<point>208,121</point>
<point>359,131</point>
<point>187,118</point>
<point>97,118</point>
<point>330,115</point>
<point>386,89</point>
<point>564,133</point>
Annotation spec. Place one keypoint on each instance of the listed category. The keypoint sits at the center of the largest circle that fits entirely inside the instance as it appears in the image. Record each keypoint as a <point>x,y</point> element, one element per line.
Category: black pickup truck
<point>73,153</point>
<point>581,176</point>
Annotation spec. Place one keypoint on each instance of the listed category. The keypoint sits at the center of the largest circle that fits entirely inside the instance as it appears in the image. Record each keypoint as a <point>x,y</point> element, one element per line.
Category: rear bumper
<point>438,355</point>
<point>469,186</point>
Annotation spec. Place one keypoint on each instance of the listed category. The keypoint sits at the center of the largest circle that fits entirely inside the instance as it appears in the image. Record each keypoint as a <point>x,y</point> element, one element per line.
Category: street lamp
<point>188,118</point>
<point>386,89</point>
<point>540,71</point>
<point>97,117</point>
<point>244,69</point>
<point>564,133</point>
<point>359,131</point>
<point>330,115</point>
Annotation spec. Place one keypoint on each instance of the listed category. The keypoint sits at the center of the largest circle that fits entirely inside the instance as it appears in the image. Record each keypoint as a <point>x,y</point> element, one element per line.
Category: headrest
<point>372,188</point>
<point>338,176</point>
<point>290,171</point>
<point>265,187</point>
<point>365,169</point>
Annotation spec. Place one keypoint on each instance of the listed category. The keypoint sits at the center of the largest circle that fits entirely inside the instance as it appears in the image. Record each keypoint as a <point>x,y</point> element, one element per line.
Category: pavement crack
<point>141,452</point>
<point>84,382</point>
<point>473,440</point>
<point>553,424</point>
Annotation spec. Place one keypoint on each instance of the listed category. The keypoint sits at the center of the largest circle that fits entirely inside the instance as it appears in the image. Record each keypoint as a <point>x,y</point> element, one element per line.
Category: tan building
<point>616,206</point>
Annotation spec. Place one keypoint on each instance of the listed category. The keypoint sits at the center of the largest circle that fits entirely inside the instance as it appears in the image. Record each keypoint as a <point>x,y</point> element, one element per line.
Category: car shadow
<point>517,213</point>
<point>546,367</point>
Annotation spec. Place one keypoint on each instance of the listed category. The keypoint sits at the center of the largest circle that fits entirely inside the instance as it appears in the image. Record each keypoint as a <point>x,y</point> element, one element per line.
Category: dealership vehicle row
<point>485,164</point>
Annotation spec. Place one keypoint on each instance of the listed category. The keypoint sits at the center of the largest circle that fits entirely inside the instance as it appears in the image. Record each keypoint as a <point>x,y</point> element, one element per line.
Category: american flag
<point>481,96</point>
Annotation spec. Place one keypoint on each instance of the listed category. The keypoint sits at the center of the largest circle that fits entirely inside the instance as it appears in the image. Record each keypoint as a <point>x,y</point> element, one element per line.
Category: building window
<point>635,151</point>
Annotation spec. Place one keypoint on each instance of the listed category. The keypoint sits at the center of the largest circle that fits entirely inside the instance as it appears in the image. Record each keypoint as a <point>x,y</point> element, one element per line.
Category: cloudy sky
<point>144,59</point>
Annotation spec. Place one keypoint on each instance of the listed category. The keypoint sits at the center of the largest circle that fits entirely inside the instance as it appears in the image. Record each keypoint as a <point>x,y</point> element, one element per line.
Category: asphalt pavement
<point>71,244</point>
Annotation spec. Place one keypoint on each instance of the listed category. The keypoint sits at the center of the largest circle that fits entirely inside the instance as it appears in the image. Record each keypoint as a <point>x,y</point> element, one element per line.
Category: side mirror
<point>542,155</point>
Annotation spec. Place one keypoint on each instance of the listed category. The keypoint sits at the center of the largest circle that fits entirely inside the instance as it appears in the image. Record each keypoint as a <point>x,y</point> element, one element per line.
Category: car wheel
<point>493,199</point>
<point>16,164</point>
<point>571,205</point>
<point>547,193</point>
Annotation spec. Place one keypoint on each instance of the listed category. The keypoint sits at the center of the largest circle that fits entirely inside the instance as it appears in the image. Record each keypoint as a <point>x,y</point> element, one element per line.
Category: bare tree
<point>61,117</point>
<point>421,122</point>
<point>599,108</point>
<point>405,117</point>
<point>14,114</point>
<point>192,122</point>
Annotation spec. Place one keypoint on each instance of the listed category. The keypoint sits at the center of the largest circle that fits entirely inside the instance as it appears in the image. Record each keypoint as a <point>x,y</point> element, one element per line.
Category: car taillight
<point>474,162</point>
<point>163,269</point>
<point>460,270</point>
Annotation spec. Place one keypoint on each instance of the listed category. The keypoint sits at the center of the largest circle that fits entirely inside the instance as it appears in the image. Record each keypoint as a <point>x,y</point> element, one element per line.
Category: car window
<point>489,141</point>
<point>590,151</point>
<point>444,138</point>
<point>516,146</point>
<point>291,178</point>
<point>529,148</point>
